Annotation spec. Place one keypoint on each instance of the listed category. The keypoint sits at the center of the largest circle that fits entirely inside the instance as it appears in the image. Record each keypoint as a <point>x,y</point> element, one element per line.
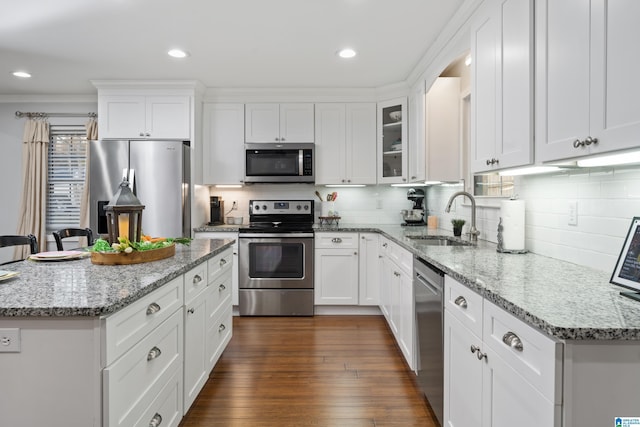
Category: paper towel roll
<point>512,213</point>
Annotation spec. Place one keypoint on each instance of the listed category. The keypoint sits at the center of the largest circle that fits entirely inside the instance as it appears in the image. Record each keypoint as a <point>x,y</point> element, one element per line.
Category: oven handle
<point>271,235</point>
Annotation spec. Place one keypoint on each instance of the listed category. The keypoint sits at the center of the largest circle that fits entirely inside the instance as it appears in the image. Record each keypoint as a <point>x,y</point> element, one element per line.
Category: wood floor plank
<point>326,371</point>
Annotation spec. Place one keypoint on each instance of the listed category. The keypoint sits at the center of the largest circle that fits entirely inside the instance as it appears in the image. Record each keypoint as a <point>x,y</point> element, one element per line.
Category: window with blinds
<point>67,165</point>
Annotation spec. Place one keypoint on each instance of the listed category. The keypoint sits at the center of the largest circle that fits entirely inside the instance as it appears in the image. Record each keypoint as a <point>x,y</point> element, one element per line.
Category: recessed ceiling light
<point>177,53</point>
<point>22,74</point>
<point>346,53</point>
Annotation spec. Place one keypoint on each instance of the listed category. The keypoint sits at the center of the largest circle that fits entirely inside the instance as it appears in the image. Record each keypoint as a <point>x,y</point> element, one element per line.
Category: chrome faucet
<point>473,232</point>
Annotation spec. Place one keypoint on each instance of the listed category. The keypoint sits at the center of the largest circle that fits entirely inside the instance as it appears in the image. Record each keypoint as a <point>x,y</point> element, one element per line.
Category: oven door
<point>280,261</point>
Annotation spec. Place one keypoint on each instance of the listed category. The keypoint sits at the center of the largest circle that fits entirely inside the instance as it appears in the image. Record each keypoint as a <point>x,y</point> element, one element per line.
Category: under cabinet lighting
<point>531,170</point>
<point>344,185</point>
<point>347,53</point>
<point>21,74</point>
<point>611,160</point>
<point>177,53</point>
<point>228,186</point>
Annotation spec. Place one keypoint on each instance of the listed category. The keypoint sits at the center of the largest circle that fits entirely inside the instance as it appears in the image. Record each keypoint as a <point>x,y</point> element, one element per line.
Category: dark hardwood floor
<point>341,371</point>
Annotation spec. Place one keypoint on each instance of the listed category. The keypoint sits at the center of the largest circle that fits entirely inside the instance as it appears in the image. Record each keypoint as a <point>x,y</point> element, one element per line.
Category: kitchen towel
<point>512,213</point>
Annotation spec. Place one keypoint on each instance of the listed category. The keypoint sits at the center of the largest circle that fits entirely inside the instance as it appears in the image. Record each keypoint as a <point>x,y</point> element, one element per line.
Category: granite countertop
<point>80,288</point>
<point>565,300</point>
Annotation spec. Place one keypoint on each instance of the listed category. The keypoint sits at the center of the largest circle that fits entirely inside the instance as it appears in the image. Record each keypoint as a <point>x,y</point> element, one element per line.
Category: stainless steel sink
<point>439,241</point>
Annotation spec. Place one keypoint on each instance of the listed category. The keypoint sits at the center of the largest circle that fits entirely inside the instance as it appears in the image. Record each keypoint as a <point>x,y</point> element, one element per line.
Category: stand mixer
<point>415,216</point>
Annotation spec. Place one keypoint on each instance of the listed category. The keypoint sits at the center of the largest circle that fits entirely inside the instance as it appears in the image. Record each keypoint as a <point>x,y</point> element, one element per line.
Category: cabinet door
<point>330,137</point>
<point>262,123</point>
<point>121,116</point>
<point>502,69</point>
<point>462,376</point>
<point>336,276</point>
<point>168,117</point>
<point>615,115</point>
<point>443,130</point>
<point>507,396</point>
<point>370,269</point>
<point>195,360</point>
<point>562,77</point>
<point>406,335</point>
<point>223,144</point>
<point>296,122</point>
<point>416,134</point>
<point>392,141</point>
<point>360,149</point>
<point>386,280</point>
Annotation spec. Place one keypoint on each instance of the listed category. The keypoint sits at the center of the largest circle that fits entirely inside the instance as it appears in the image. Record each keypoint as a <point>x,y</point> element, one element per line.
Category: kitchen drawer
<point>219,334</point>
<point>221,290</point>
<point>142,372</point>
<point>538,360</point>
<point>166,409</point>
<point>336,240</point>
<point>195,280</point>
<point>220,264</point>
<point>402,257</point>
<point>123,329</point>
<point>464,304</point>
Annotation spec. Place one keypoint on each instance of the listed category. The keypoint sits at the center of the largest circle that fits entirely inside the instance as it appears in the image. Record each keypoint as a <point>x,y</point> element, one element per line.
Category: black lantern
<point>124,215</point>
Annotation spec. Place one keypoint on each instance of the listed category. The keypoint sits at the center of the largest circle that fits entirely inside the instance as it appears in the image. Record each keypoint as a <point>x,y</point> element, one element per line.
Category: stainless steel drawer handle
<point>153,308</point>
<point>336,240</point>
<point>460,302</point>
<point>222,287</point>
<point>222,262</point>
<point>513,341</point>
<point>476,350</point>
<point>154,353</point>
<point>197,279</point>
<point>221,327</point>
<point>155,421</point>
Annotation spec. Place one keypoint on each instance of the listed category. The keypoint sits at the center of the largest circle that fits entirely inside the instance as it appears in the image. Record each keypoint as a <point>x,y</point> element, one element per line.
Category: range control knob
<point>264,207</point>
<point>306,207</point>
<point>298,207</point>
<point>256,207</point>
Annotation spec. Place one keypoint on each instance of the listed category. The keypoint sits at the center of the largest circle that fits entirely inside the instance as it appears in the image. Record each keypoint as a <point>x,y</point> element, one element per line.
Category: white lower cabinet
<point>234,267</point>
<point>396,296</point>
<point>336,269</point>
<point>498,370</point>
<point>369,269</point>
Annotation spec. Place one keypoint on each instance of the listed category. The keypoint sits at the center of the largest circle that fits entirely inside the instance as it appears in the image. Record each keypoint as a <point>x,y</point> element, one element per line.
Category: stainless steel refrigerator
<point>159,174</point>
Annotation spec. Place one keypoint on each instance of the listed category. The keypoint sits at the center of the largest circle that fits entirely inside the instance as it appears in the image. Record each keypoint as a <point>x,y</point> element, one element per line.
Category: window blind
<point>67,164</point>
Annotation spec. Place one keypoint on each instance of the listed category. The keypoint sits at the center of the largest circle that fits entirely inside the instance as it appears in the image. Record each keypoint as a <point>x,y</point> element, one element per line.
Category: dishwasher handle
<point>437,290</point>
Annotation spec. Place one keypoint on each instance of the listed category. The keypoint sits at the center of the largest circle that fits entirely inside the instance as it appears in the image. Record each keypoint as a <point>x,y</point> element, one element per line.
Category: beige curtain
<point>33,207</point>
<point>92,135</point>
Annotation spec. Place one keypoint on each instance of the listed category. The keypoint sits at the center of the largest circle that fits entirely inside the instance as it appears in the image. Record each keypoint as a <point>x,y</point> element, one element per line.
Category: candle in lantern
<point>123,225</point>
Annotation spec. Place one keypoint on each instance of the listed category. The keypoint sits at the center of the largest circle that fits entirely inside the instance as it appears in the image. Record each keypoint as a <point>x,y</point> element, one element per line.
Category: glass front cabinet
<point>392,141</point>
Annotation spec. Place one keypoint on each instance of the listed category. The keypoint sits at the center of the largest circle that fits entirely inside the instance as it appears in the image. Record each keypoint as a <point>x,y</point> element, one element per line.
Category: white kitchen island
<point>107,345</point>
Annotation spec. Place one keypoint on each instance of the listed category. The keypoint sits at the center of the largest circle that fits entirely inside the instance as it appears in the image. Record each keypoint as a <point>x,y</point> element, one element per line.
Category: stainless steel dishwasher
<point>428,284</point>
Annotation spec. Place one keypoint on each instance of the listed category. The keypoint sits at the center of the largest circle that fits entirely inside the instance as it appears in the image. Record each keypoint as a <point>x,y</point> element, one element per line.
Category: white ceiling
<point>233,43</point>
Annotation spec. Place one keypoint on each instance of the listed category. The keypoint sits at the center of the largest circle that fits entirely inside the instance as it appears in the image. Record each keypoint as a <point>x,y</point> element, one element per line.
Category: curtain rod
<point>20,114</point>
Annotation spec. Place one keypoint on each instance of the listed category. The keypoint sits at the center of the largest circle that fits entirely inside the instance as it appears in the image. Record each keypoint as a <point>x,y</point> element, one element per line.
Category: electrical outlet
<point>234,206</point>
<point>573,212</point>
<point>9,340</point>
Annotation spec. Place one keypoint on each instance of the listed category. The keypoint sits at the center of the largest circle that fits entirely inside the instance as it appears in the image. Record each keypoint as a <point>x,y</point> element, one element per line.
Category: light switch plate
<point>573,212</point>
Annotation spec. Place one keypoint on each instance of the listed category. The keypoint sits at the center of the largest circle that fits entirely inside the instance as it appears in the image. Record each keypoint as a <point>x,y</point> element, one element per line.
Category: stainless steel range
<point>276,259</point>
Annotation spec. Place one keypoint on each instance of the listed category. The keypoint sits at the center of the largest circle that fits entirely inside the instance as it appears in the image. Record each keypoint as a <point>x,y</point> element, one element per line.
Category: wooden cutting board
<point>135,257</point>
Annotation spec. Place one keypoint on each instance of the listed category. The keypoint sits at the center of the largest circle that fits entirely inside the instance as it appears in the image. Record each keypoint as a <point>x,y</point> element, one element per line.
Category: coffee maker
<point>415,216</point>
<point>217,210</point>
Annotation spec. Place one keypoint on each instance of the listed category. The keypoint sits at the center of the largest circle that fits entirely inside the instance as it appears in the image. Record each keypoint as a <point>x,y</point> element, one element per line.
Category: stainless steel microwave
<point>279,162</point>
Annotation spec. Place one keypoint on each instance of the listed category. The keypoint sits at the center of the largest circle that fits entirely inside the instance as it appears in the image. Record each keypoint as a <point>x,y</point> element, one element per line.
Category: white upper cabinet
<point>144,117</point>
<point>223,144</point>
<point>442,137</point>
<point>416,134</point>
<point>345,143</point>
<point>392,141</point>
<point>585,100</point>
<point>266,122</point>
<point>502,86</point>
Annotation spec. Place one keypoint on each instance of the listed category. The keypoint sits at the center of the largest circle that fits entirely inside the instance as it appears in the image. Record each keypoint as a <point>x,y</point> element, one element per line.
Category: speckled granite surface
<point>80,288</point>
<point>564,300</point>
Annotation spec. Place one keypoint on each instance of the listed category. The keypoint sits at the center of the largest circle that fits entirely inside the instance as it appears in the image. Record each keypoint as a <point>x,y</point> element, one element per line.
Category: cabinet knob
<point>395,273</point>
<point>191,310</point>
<point>348,180</point>
<point>277,139</point>
<point>156,420</point>
<point>577,143</point>
<point>154,353</point>
<point>336,240</point>
<point>153,308</point>
<point>221,327</point>
<point>476,350</point>
<point>513,341</point>
<point>222,287</point>
<point>590,141</point>
<point>355,253</point>
<point>197,279</point>
<point>460,302</point>
<point>384,245</point>
<point>223,262</point>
